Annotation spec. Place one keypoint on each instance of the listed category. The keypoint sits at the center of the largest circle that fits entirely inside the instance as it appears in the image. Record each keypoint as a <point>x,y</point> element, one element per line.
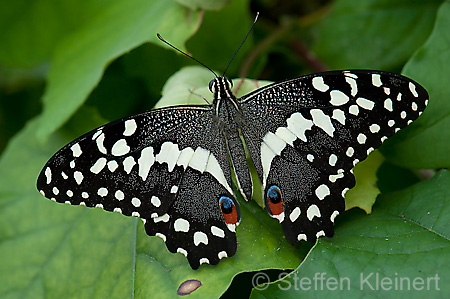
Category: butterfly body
<point>171,166</point>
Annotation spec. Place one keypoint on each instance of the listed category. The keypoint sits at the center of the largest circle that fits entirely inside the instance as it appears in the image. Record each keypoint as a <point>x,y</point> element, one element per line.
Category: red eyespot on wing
<point>274,200</point>
<point>228,210</point>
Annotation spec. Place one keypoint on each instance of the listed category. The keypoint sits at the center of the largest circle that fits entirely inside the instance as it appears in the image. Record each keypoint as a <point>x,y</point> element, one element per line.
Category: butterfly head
<point>221,88</point>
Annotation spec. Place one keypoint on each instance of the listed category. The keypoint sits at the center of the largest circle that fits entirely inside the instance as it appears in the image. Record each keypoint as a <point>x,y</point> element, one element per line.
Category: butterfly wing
<point>305,135</point>
<point>167,166</point>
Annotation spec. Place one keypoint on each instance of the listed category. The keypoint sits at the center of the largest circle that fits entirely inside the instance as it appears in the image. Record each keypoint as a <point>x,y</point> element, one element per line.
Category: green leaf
<point>190,86</point>
<point>214,44</point>
<point>80,59</point>
<point>374,34</point>
<point>427,145</point>
<point>204,4</point>
<point>407,236</point>
<point>29,31</point>
<point>365,192</point>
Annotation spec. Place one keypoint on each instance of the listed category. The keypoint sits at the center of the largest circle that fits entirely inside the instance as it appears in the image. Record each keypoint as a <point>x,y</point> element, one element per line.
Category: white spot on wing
<point>182,251</point>
<point>163,218</point>
<point>48,175</point>
<point>119,195</point>
<point>222,254</point>
<point>353,109</point>
<point>318,84</point>
<point>136,202</point>
<point>376,80</point>
<point>313,211</point>
<point>174,189</point>
<point>112,165</point>
<point>218,232</point>
<point>365,103</point>
<point>338,98</point>
<point>353,86</point>
<point>76,150</point>
<point>169,154</point>
<point>322,191</point>
<point>181,225</point>
<point>162,236</point>
<point>96,134</point>
<point>204,260</point>
<point>323,121</point>
<point>279,217</point>
<point>128,164</point>
<point>334,215</point>
<point>213,167</point>
<point>350,151</point>
<point>361,138</point>
<point>301,237</point>
<point>286,135</point>
<point>332,160</point>
<point>388,104</point>
<point>412,88</point>
<point>120,148</point>
<point>339,116</point>
<point>334,177</point>
<point>99,140</point>
<point>200,237</point>
<point>98,166</point>
<point>102,192</point>
<point>155,201</point>
<point>78,176</point>
<point>294,214</point>
<point>130,127</point>
<point>199,159</point>
<point>374,128</point>
<point>344,192</point>
<point>298,125</point>
<point>145,162</point>
<point>185,156</point>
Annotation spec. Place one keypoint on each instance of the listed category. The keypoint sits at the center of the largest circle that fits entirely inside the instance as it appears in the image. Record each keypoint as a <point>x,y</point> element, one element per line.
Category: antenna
<point>256,19</point>
<point>169,44</point>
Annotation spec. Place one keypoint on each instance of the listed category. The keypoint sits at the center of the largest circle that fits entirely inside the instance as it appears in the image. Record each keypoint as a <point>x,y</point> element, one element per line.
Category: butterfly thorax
<point>226,109</point>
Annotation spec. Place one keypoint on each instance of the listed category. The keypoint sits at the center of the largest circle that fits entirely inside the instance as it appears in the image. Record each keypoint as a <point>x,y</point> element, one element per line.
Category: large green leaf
<point>374,34</point>
<point>401,250</point>
<point>29,30</point>
<point>428,146</point>
<point>80,58</point>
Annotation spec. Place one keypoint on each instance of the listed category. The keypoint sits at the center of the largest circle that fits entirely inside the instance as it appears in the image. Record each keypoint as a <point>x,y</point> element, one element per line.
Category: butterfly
<point>173,166</point>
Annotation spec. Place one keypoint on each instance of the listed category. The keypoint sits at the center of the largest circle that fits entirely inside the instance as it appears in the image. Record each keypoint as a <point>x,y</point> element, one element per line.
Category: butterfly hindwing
<point>305,135</point>
<point>167,166</point>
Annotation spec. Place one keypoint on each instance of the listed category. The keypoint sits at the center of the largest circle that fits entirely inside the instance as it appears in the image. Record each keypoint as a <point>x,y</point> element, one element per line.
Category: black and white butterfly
<point>172,166</point>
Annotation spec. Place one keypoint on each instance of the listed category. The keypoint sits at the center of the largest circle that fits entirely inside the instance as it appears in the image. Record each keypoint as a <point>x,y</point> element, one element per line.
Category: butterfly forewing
<point>167,166</point>
<point>305,135</point>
